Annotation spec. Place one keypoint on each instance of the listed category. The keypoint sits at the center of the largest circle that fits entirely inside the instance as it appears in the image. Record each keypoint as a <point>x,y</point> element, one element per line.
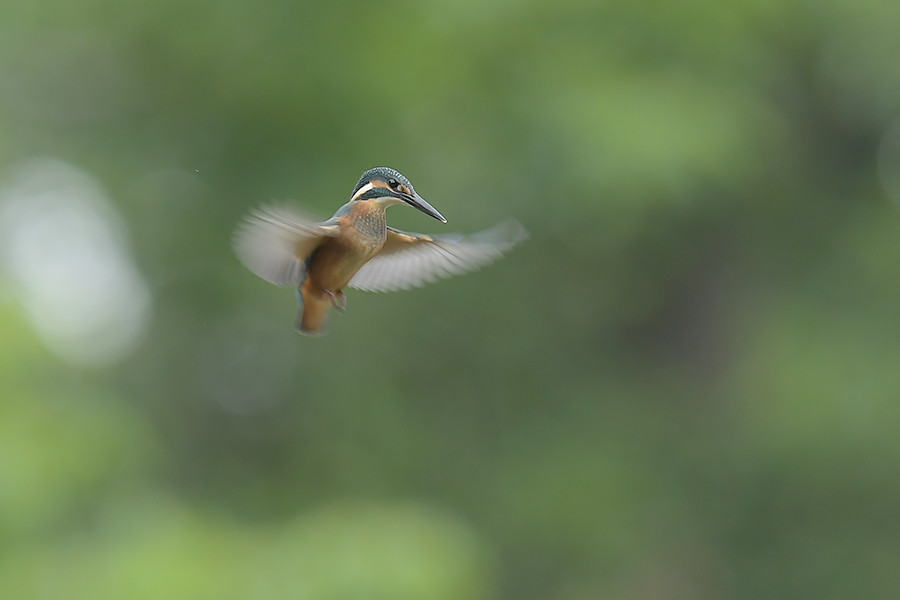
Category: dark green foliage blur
<point>684,385</point>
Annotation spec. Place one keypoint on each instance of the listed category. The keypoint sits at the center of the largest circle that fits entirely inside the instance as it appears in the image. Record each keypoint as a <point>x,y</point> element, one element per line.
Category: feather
<point>412,260</point>
<point>275,241</point>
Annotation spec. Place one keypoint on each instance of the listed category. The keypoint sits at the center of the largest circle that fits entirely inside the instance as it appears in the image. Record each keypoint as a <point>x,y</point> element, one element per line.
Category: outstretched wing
<point>275,241</point>
<point>411,260</point>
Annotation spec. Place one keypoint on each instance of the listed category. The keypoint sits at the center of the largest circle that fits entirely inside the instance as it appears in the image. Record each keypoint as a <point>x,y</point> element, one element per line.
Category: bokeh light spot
<point>63,250</point>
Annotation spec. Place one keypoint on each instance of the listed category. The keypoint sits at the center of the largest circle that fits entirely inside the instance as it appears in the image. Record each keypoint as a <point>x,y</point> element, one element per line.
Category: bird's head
<point>388,187</point>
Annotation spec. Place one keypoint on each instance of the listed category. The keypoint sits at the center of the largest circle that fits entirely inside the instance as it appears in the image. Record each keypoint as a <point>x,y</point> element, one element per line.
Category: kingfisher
<point>356,248</point>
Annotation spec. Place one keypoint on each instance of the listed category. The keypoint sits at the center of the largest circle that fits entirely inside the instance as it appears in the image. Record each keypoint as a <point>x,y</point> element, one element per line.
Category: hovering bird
<point>355,248</point>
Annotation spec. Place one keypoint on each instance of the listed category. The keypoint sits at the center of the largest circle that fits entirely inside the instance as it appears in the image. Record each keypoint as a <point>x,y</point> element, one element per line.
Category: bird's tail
<point>312,318</point>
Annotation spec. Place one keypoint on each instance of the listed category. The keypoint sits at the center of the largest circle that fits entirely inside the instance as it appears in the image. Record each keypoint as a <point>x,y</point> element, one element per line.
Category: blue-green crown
<point>384,174</point>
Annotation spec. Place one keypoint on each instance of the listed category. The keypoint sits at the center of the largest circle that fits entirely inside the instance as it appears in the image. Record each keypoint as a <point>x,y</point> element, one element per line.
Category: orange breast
<point>362,235</point>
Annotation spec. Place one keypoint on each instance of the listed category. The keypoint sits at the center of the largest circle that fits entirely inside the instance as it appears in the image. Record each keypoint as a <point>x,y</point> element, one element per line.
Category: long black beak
<point>417,201</point>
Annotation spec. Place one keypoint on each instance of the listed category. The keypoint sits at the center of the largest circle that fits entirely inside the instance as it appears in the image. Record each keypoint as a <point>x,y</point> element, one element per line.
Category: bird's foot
<point>338,300</point>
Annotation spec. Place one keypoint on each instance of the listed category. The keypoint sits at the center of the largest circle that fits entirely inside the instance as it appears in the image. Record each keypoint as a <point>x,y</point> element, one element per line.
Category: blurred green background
<point>684,385</point>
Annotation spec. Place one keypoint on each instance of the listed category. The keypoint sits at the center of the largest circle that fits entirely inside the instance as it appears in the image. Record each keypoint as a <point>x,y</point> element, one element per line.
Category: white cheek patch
<point>362,191</point>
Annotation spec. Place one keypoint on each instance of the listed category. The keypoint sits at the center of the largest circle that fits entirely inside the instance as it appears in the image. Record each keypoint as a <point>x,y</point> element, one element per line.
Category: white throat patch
<point>362,191</point>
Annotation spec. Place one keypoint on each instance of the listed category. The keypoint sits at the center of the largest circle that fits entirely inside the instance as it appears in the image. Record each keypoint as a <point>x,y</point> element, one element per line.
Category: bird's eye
<point>393,183</point>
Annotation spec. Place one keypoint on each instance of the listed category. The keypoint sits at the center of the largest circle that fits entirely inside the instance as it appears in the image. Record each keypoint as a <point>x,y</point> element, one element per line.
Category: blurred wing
<point>411,260</point>
<point>274,242</point>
